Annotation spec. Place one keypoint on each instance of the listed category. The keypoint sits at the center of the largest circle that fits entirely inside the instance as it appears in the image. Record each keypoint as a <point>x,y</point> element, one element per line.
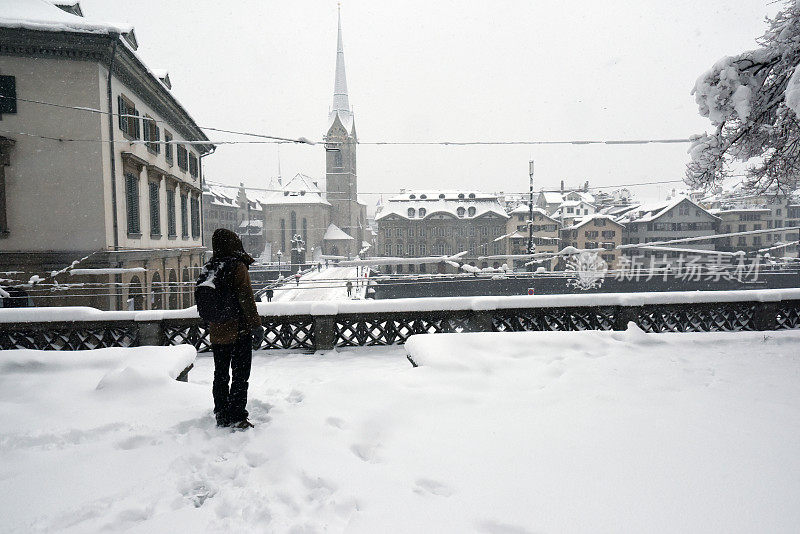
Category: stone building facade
<point>232,208</point>
<point>546,237</point>
<point>128,205</point>
<point>442,223</point>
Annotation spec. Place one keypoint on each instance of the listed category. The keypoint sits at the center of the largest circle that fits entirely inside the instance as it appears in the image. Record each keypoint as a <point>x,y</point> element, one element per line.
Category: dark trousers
<point>229,403</point>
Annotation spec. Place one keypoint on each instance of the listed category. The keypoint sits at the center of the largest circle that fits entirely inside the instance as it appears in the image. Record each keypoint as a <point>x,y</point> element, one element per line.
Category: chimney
<point>562,186</point>
<point>586,186</point>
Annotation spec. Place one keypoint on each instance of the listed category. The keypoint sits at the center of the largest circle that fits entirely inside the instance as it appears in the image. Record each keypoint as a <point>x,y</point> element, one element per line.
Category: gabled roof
<point>299,190</point>
<point>551,197</point>
<point>589,218</point>
<point>651,212</point>
<point>334,233</point>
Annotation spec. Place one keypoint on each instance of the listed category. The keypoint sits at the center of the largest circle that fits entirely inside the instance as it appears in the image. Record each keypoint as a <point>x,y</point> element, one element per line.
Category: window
<point>471,210</point>
<point>128,118</point>
<point>132,198</point>
<point>484,231</point>
<point>422,213</point>
<point>337,158</point>
<point>183,157</point>
<point>193,169</point>
<point>151,134</point>
<point>171,227</point>
<point>421,232</point>
<point>283,234</point>
<point>411,231</point>
<point>195,217</point>
<point>399,232</point>
<point>184,216</point>
<point>293,224</point>
<point>305,230</point>
<point>387,232</point>
<point>398,249</point>
<point>387,249</point>
<point>410,249</point>
<point>168,147</point>
<point>411,213</point>
<point>422,249</point>
<point>155,209</point>
<point>8,90</point>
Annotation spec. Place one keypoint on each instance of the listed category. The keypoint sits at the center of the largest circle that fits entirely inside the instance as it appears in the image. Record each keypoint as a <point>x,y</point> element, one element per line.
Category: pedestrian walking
<point>297,279</point>
<point>270,293</point>
<point>349,286</point>
<point>224,297</point>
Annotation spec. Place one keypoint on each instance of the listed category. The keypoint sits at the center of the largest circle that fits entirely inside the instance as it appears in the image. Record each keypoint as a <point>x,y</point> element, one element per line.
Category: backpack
<point>214,295</point>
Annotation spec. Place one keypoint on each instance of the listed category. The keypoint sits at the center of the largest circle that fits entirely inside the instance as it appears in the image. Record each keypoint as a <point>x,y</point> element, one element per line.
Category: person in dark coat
<point>232,341</point>
<point>270,294</point>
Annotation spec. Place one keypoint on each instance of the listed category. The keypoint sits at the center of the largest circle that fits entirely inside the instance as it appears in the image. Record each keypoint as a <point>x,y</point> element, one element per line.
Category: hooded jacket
<point>228,251</point>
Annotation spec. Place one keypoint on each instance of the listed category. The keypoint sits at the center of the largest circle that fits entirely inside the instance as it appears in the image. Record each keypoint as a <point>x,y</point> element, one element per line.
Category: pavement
<point>327,284</point>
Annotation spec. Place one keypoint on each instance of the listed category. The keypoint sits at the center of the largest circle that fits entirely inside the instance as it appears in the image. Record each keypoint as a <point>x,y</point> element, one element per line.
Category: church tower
<point>340,157</point>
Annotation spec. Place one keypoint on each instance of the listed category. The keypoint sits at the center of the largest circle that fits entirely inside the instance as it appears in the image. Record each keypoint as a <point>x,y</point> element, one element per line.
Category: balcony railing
<point>313,326</point>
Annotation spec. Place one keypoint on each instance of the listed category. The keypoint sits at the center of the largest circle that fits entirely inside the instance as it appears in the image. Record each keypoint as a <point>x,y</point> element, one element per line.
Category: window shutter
<point>8,89</point>
<point>137,133</point>
<point>123,121</point>
<point>146,122</point>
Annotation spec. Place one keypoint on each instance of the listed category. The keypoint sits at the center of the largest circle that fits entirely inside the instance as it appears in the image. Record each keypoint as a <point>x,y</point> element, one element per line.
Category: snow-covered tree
<point>753,101</point>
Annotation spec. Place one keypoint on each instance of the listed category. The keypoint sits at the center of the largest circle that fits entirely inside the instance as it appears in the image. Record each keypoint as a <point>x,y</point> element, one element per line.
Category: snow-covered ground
<point>499,433</point>
<point>325,285</point>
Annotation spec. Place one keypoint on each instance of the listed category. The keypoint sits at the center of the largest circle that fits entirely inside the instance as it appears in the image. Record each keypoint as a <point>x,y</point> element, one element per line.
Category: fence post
<point>765,316</point>
<point>324,329</point>
<point>151,333</point>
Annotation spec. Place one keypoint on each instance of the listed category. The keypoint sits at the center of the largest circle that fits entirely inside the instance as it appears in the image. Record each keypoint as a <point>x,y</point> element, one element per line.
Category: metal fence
<point>320,331</point>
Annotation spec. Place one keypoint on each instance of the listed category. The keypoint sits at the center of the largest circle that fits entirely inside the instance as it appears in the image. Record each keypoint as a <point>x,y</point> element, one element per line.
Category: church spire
<point>340,100</point>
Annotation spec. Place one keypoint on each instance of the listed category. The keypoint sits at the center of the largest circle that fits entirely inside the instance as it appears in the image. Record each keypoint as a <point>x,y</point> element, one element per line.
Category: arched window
<point>460,212</point>
<point>411,212</point>
<point>156,293</point>
<point>283,235</point>
<point>305,231</point>
<point>135,294</point>
<point>461,196</point>
<point>173,290</point>
<point>293,224</point>
<point>472,195</point>
<point>423,197</point>
<point>441,195</point>
<point>412,196</point>
<point>471,211</point>
<point>422,213</point>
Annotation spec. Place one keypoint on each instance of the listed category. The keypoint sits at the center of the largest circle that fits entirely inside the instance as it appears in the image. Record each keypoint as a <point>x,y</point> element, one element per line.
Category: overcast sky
<point>449,71</point>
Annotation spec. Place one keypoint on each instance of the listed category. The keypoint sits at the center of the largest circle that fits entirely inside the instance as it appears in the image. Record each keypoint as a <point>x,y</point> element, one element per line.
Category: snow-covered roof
<point>334,233</point>
<point>651,212</point>
<point>299,190</point>
<point>449,202</point>
<point>589,218</point>
<point>721,211</point>
<point>552,197</point>
<point>254,223</point>
<point>44,16</point>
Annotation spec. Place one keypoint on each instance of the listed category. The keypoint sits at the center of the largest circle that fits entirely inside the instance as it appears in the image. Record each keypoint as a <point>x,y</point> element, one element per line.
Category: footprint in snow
<point>433,487</point>
<point>336,422</point>
<point>295,397</point>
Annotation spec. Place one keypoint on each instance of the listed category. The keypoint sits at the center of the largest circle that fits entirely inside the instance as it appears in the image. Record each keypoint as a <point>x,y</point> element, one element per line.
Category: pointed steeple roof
<point>341,102</point>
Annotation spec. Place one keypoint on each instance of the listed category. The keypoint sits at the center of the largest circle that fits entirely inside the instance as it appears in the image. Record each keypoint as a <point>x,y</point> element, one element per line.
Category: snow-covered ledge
<point>267,309</point>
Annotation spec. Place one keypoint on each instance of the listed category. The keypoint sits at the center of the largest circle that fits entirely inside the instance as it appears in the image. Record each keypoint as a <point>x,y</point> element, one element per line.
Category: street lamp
<point>279,261</point>
<point>530,210</point>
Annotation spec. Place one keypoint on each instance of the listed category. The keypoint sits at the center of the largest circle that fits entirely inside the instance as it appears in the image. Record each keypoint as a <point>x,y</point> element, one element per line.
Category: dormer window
<point>472,195</point>
<point>412,197</point>
<point>471,211</point>
<point>461,196</point>
<point>441,195</point>
<point>411,213</point>
<point>423,197</point>
<point>460,212</point>
<point>422,213</point>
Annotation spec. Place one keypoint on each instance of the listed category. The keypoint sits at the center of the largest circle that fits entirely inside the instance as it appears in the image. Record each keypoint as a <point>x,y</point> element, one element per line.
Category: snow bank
<point>504,433</point>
